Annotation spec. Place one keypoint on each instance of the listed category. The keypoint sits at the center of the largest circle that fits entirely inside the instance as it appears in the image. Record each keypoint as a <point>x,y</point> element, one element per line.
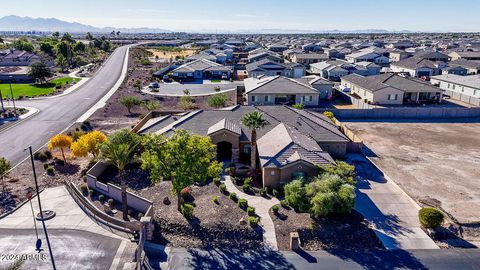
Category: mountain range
<point>17,23</point>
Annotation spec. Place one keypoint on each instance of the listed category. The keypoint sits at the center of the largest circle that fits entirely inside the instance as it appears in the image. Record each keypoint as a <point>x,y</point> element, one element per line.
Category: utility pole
<point>40,206</point>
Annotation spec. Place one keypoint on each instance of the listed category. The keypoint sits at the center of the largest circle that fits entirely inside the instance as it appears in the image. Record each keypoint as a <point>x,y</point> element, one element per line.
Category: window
<point>272,173</point>
<point>310,98</point>
<point>253,98</point>
<point>266,98</point>
<point>448,86</point>
<point>247,148</point>
<point>392,97</point>
<point>453,87</point>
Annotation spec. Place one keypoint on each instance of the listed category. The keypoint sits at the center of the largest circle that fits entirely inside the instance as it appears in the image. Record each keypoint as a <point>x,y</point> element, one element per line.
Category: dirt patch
<point>432,162</point>
<point>172,54</point>
<point>340,232</point>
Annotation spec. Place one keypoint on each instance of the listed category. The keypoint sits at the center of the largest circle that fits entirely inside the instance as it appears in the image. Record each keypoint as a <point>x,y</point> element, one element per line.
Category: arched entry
<point>224,151</point>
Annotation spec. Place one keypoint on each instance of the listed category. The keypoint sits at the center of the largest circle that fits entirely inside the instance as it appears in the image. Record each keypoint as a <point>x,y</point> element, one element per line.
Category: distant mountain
<point>17,23</point>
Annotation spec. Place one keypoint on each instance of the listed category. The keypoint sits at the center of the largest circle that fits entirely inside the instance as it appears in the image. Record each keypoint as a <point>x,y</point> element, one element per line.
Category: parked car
<point>154,85</point>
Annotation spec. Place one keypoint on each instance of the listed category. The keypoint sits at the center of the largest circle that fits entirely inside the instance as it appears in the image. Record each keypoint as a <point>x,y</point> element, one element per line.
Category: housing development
<point>144,148</point>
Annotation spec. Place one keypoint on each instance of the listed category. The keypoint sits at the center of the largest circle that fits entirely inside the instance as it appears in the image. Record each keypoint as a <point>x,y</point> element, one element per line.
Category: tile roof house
<point>391,89</point>
<point>267,67</point>
<point>290,145</point>
<point>278,90</point>
<point>335,69</point>
<point>14,57</point>
<point>418,67</point>
<point>465,88</point>
<point>201,69</point>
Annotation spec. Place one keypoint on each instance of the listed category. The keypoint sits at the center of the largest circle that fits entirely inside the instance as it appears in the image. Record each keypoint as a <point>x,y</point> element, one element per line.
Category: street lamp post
<point>13,98</point>
<point>1,99</point>
<point>40,206</point>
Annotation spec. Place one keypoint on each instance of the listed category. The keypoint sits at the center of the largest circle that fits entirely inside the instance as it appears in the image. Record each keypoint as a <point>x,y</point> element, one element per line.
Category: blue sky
<point>252,15</point>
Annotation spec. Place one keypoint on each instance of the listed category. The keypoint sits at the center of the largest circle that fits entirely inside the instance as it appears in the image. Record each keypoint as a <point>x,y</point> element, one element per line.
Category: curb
<point>36,111</point>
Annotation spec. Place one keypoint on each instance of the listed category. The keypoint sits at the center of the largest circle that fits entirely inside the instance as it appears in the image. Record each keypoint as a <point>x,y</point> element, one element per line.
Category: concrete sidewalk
<point>262,207</point>
<point>68,214</point>
<point>393,214</point>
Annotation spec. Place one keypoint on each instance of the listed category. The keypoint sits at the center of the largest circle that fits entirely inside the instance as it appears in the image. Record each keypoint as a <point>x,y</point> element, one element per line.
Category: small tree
<point>62,142</point>
<point>39,71</point>
<point>4,169</point>
<point>151,105</point>
<point>120,154</point>
<point>184,158</point>
<point>129,102</point>
<point>61,62</point>
<point>254,120</point>
<point>218,100</point>
<point>88,143</point>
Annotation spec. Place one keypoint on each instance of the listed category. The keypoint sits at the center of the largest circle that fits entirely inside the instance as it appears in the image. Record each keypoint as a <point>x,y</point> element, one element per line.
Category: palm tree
<point>254,120</point>
<point>120,155</point>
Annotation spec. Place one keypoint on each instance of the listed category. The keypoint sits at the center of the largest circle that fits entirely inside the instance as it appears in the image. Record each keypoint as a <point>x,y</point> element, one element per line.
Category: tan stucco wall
<point>335,149</point>
<point>226,136</point>
<point>284,175</point>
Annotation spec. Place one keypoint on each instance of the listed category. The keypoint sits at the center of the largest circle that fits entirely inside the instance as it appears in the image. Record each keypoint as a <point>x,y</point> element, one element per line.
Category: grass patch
<point>33,90</point>
<point>216,81</point>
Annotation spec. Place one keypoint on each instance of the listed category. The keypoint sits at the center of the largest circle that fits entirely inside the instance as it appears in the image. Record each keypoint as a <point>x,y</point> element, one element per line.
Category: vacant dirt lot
<point>434,162</point>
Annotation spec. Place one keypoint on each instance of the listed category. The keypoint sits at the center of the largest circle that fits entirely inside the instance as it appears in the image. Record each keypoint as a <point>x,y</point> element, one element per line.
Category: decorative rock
<point>166,201</point>
<point>242,221</point>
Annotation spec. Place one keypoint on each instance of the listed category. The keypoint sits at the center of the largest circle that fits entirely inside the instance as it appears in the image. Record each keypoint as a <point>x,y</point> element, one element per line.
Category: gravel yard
<point>341,232</point>
<point>214,225</point>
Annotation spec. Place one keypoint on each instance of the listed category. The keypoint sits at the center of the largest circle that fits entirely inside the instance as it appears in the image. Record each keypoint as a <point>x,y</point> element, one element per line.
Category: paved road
<point>71,249</point>
<point>378,259</point>
<point>57,114</point>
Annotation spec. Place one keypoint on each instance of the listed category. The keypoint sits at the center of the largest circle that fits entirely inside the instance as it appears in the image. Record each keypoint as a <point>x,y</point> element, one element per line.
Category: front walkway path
<point>390,210</point>
<point>262,207</point>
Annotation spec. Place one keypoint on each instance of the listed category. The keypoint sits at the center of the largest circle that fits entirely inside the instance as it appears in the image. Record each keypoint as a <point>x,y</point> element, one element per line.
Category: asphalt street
<point>57,114</point>
<point>457,259</point>
<point>72,249</point>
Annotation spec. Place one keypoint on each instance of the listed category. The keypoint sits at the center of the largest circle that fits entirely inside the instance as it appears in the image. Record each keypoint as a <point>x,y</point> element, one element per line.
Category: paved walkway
<point>391,211</point>
<point>262,206</point>
<point>69,215</point>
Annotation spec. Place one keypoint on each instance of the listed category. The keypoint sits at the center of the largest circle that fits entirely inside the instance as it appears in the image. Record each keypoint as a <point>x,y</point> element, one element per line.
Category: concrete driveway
<point>71,249</point>
<point>77,240</point>
<point>393,214</point>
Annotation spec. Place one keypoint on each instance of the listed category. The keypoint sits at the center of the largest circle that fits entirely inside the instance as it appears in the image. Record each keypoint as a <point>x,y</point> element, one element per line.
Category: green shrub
<point>296,196</point>
<point>50,171</point>
<point>140,215</point>
<point>284,203</point>
<point>187,210</point>
<point>233,196</point>
<point>253,222</point>
<point>40,156</point>
<point>298,106</point>
<point>218,100</point>
<point>101,197</point>
<point>91,192</point>
<point>263,192</point>
<point>217,181</point>
<point>248,180</point>
<point>242,203</point>
<point>251,211</point>
<point>430,217</point>
<point>84,188</point>
<point>185,193</point>
<point>215,199</point>
<point>277,193</point>
<point>48,154</point>
<point>45,166</point>
<point>111,202</point>
<point>246,187</point>
<point>275,209</point>
<point>330,116</point>
<point>222,188</point>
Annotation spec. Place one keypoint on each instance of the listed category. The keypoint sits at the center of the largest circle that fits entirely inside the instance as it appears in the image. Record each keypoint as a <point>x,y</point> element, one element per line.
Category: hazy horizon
<point>251,16</point>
